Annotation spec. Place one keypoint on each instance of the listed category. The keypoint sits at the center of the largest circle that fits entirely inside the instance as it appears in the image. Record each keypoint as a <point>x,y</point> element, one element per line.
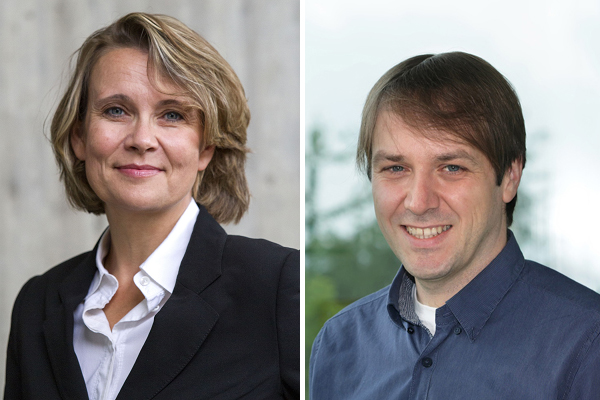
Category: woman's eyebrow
<point>104,100</point>
<point>126,99</point>
<point>175,102</point>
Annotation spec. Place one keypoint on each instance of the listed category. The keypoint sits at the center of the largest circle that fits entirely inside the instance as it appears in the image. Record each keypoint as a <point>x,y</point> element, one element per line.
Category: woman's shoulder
<point>257,245</point>
<point>53,277</point>
<point>211,237</point>
<point>42,293</point>
<point>260,261</point>
<point>59,271</point>
<point>259,250</point>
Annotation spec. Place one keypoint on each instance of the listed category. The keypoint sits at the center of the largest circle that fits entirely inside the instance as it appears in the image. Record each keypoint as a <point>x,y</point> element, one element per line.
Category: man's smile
<point>426,233</point>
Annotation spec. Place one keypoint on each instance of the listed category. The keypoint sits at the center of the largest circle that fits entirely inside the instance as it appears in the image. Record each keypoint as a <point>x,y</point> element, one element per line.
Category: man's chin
<point>427,270</point>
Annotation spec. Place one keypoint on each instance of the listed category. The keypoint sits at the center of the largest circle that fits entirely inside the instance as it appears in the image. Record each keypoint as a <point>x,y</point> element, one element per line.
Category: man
<point>443,141</point>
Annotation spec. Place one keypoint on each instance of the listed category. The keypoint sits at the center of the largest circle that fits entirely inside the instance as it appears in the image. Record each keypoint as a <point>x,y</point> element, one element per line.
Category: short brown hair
<point>457,93</point>
<point>181,56</point>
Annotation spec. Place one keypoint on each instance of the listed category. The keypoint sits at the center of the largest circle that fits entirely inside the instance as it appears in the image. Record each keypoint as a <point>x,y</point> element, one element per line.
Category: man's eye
<point>453,168</point>
<point>173,116</point>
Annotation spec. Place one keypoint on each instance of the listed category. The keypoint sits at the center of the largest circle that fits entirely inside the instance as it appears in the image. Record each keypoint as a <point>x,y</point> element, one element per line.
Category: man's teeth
<point>427,233</point>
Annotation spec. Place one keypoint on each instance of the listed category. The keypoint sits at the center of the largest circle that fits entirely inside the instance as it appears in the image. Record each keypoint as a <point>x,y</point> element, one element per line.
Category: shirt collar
<point>473,305</point>
<point>162,266</point>
<point>103,247</point>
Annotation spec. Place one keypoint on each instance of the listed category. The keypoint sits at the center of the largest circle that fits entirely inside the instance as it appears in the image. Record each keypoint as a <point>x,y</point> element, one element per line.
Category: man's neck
<point>433,295</point>
<point>436,292</point>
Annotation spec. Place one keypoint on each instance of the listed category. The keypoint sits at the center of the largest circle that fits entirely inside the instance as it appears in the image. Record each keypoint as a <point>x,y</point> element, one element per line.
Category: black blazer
<point>229,331</point>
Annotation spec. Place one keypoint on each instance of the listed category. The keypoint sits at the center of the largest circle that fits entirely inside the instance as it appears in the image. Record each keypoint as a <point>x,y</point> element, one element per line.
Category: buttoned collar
<point>474,304</point>
<point>159,271</point>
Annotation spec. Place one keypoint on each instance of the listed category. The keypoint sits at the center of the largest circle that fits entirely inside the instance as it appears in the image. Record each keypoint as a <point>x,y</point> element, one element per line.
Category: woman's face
<point>141,147</point>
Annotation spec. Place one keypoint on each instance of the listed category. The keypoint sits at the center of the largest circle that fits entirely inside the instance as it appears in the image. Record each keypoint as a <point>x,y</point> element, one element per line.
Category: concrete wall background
<point>259,38</point>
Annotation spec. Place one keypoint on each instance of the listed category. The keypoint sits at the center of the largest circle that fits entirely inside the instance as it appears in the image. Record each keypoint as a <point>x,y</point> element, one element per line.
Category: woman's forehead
<point>125,70</point>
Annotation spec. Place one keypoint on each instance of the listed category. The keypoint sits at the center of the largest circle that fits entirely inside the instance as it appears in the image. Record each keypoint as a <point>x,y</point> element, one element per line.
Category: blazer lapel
<point>182,325</point>
<point>58,328</point>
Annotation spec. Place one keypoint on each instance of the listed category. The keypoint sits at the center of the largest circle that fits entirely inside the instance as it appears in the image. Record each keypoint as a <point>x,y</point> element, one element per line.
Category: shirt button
<point>410,329</point>
<point>427,362</point>
<point>144,281</point>
<point>155,309</point>
<point>457,330</point>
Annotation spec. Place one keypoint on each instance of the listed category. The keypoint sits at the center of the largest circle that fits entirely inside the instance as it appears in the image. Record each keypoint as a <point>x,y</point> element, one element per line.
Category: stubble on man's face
<point>437,203</point>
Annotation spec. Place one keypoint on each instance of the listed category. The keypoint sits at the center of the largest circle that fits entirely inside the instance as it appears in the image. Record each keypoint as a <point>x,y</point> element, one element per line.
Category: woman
<point>151,131</point>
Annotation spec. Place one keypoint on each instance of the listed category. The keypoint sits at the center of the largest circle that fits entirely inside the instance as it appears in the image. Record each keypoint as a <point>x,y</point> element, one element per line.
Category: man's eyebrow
<point>381,156</point>
<point>456,155</point>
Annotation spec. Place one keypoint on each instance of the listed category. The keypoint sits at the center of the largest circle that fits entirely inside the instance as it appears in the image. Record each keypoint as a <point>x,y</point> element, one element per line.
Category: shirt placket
<point>111,370</point>
<point>427,362</point>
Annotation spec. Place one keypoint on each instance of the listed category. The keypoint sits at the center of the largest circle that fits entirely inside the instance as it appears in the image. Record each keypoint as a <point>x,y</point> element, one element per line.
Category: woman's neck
<point>135,235</point>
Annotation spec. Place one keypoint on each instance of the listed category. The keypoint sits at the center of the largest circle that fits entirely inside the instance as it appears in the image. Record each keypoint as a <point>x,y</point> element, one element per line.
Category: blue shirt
<point>518,330</point>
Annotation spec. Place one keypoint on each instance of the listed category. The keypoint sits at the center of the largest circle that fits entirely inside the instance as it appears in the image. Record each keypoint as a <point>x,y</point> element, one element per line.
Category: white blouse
<point>106,357</point>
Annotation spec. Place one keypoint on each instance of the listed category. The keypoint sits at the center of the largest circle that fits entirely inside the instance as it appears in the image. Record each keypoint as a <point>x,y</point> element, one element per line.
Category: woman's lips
<point>139,171</point>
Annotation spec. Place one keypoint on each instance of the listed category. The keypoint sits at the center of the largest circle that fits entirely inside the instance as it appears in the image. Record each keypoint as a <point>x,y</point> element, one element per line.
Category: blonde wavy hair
<point>177,54</point>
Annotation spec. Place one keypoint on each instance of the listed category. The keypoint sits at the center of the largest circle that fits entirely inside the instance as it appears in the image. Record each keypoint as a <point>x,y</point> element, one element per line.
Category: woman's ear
<point>77,142</point>
<point>511,180</point>
<point>205,156</point>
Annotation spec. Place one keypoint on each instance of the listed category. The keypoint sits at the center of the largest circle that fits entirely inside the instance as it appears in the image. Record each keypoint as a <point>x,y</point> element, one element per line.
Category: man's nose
<point>422,195</point>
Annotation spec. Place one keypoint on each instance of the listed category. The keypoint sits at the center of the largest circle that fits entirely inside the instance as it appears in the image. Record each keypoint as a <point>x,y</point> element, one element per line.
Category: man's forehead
<point>390,127</point>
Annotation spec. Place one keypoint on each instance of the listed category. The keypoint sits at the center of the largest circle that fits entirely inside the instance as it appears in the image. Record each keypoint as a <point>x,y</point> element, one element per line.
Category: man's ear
<point>511,180</point>
<point>77,141</point>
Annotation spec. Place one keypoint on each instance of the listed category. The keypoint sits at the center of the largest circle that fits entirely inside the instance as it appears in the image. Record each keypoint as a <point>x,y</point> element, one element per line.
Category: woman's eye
<point>173,116</point>
<point>115,112</point>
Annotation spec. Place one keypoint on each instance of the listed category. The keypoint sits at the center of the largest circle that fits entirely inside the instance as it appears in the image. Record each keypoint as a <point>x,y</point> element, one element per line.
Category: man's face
<point>437,202</point>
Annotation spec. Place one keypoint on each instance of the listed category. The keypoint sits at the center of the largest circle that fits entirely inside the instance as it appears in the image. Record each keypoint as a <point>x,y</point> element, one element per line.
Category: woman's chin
<point>143,204</point>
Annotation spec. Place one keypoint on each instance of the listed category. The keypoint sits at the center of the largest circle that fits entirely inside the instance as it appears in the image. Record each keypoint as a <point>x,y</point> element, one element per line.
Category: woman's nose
<point>142,137</point>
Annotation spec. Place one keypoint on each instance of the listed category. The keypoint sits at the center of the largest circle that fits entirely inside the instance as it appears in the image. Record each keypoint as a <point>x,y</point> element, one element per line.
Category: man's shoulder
<point>361,331</point>
<point>562,289</point>
<point>356,320</point>
<point>366,308</point>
